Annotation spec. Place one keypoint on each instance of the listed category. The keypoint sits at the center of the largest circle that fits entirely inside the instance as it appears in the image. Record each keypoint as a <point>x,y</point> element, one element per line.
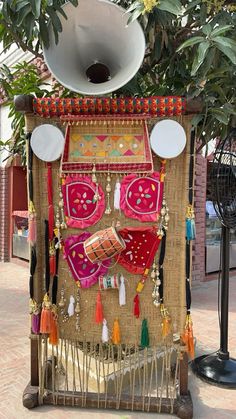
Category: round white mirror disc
<point>168,139</point>
<point>47,142</point>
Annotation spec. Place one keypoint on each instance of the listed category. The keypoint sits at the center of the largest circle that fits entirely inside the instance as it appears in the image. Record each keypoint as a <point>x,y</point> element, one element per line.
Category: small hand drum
<point>168,139</point>
<point>47,142</point>
<point>104,244</point>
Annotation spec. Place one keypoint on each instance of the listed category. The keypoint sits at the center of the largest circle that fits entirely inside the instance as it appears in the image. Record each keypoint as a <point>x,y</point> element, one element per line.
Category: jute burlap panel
<point>176,191</point>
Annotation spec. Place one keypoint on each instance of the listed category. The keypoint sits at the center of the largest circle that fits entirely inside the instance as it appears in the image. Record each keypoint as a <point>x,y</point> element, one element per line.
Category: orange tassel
<point>187,336</point>
<point>191,343</point>
<point>116,333</point>
<point>99,312</point>
<point>53,337</point>
<point>166,322</point>
<point>46,316</point>
<point>184,336</point>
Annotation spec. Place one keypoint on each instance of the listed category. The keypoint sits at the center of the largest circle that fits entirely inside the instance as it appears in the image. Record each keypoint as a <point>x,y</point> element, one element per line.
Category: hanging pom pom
<point>136,306</point>
<point>144,334</point>
<point>99,311</point>
<point>35,323</point>
<point>46,316</point>
<point>32,234</point>
<point>117,195</point>
<point>122,294</point>
<point>105,335</point>
<point>53,337</point>
<point>116,333</point>
<point>71,307</point>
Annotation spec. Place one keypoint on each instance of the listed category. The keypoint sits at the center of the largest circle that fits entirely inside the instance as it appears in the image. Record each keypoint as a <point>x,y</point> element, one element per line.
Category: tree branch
<point>18,40</point>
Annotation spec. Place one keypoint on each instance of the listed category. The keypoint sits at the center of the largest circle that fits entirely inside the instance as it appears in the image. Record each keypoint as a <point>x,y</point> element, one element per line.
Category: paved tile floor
<point>210,402</point>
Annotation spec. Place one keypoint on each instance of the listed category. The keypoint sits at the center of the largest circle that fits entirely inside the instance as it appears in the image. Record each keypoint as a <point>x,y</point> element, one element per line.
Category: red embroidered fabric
<point>81,208</point>
<point>84,271</point>
<point>141,197</point>
<point>141,246</point>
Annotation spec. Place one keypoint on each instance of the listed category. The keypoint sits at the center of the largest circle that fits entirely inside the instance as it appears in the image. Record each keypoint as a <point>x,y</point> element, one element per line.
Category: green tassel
<point>144,334</point>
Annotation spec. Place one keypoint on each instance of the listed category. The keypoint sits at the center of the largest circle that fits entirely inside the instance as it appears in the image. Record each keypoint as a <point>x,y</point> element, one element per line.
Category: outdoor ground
<point>209,402</point>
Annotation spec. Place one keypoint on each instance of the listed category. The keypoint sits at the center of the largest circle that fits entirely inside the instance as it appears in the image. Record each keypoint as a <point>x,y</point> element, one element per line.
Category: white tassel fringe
<point>105,335</point>
<point>122,295</point>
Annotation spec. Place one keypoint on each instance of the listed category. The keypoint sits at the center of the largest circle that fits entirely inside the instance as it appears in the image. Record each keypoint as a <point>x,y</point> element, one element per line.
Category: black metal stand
<point>218,368</point>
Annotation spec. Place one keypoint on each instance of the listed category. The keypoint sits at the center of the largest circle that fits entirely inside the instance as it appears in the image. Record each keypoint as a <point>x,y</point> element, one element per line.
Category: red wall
<point>4,215</point>
<point>198,268</point>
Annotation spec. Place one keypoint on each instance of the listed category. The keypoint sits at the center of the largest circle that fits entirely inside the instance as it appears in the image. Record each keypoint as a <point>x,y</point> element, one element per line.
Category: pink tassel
<point>32,236</point>
<point>35,325</point>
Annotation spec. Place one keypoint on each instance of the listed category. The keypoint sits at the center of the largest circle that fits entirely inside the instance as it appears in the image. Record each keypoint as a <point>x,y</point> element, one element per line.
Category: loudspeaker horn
<point>97,52</point>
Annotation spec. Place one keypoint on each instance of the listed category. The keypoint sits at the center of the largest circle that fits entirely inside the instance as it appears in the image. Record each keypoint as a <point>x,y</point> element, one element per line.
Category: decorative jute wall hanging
<point>108,265</point>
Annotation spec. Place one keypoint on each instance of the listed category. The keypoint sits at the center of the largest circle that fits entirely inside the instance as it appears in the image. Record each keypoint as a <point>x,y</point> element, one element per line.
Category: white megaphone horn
<point>97,52</point>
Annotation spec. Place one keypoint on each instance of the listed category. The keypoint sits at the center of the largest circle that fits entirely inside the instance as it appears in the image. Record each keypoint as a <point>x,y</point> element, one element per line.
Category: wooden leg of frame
<point>183,374</point>
<point>31,392</point>
<point>184,406</point>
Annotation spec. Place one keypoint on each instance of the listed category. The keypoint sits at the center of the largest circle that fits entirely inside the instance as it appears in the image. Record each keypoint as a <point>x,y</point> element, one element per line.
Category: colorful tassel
<point>71,307</point>
<point>99,311</point>
<point>32,234</point>
<point>136,306</point>
<point>116,333</point>
<point>35,323</point>
<point>122,293</point>
<point>187,336</point>
<point>166,322</point>
<point>52,262</point>
<point>117,195</point>
<point>144,334</point>
<point>46,316</point>
<point>54,336</point>
<point>190,223</point>
<point>105,334</point>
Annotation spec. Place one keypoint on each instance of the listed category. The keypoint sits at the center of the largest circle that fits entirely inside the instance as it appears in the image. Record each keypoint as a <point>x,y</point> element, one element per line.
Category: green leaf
<point>171,6</point>
<point>190,42</point>
<point>192,5</point>
<point>220,115</point>
<point>20,4</point>
<point>225,42</point>
<point>200,56</point>
<point>36,7</point>
<point>29,25</point>
<point>56,23</point>
<point>220,29</point>
<point>196,119</point>
<point>158,46</point>
<point>230,108</point>
<point>206,29</point>
<point>61,11</point>
<point>22,14</point>
<point>135,14</point>
<point>228,52</point>
<point>43,27</point>
<point>133,6</point>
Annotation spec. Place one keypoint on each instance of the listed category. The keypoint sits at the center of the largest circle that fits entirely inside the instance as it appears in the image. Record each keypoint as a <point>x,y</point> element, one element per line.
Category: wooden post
<point>183,375</point>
